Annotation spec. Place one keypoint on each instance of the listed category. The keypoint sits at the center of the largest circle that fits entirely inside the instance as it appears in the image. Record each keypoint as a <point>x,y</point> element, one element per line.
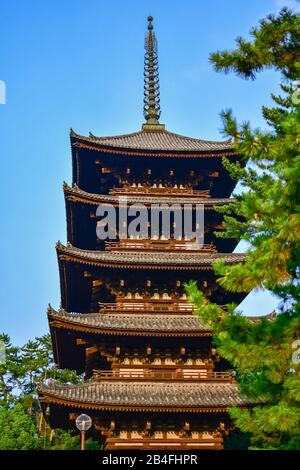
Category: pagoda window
<point>128,171</point>
<point>171,172</point>
<point>149,283</point>
<point>105,170</point>
<point>178,283</point>
<point>149,171</point>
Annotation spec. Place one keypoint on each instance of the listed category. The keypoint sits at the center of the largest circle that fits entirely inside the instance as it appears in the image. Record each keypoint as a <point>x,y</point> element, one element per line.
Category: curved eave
<point>75,194</point>
<point>142,396</point>
<point>66,322</point>
<point>144,260</point>
<point>99,145</point>
<point>47,398</point>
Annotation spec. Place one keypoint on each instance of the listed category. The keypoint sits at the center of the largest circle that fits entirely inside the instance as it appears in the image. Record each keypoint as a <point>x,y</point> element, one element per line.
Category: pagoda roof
<point>132,323</point>
<point>144,259</point>
<point>161,396</point>
<point>74,193</point>
<point>157,141</point>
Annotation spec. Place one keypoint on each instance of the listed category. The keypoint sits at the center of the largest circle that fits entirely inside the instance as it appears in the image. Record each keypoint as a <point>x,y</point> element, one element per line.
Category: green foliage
<point>24,367</point>
<point>10,372</point>
<point>276,44</point>
<point>18,430</point>
<point>261,353</point>
<point>267,215</point>
<point>67,440</point>
<point>20,414</point>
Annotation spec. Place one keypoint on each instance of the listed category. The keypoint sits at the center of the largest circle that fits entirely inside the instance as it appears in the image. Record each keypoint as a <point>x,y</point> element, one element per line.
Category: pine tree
<point>21,422</point>
<point>267,215</point>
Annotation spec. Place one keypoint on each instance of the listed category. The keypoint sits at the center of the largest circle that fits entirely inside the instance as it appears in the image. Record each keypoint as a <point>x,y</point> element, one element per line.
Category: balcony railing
<point>184,443</point>
<point>159,245</point>
<point>160,191</point>
<point>142,305</point>
<point>151,375</point>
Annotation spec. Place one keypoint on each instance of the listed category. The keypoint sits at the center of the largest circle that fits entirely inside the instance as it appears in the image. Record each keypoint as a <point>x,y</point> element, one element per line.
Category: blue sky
<point>79,63</point>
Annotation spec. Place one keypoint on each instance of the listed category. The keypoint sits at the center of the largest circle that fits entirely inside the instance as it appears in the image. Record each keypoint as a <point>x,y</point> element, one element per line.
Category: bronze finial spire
<point>151,82</point>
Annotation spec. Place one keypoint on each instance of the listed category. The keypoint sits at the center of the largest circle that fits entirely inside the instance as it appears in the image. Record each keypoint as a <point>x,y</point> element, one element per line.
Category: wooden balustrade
<point>160,191</point>
<point>116,443</point>
<point>173,375</point>
<point>159,245</point>
<point>138,305</point>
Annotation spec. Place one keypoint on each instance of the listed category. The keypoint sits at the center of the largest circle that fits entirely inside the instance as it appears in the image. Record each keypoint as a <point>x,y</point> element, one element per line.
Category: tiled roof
<point>131,322</point>
<point>156,141</point>
<point>146,395</point>
<point>182,260</point>
<point>91,198</point>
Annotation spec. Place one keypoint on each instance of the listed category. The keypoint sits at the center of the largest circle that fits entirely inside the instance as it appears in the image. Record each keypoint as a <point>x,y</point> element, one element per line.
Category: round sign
<point>83,422</point>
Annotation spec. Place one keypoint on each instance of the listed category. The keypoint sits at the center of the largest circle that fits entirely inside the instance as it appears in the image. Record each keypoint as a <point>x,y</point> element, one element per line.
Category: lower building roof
<point>135,259</point>
<point>140,396</point>
<point>132,323</point>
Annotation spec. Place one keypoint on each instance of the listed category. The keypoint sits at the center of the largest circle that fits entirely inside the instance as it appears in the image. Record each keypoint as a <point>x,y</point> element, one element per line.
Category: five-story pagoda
<point>153,381</point>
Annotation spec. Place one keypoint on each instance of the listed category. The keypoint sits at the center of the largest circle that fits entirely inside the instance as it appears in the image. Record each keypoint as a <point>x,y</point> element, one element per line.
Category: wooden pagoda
<point>152,378</point>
